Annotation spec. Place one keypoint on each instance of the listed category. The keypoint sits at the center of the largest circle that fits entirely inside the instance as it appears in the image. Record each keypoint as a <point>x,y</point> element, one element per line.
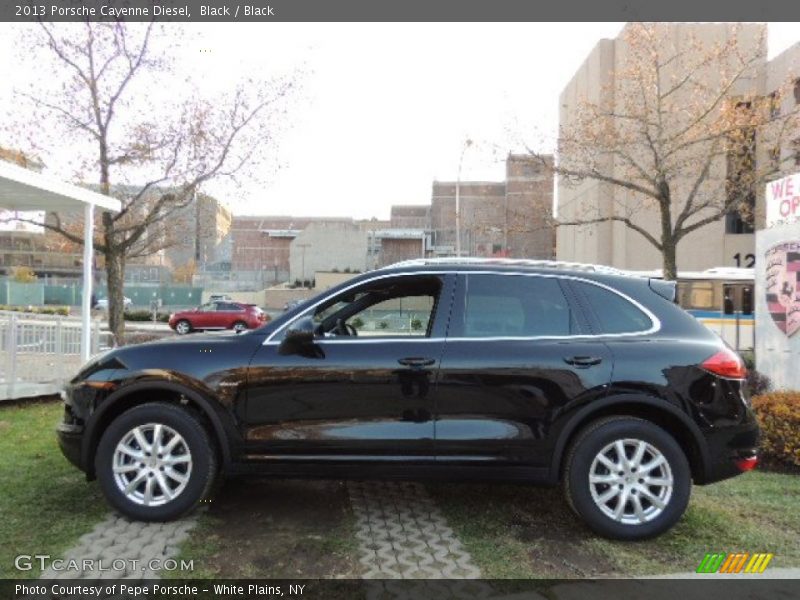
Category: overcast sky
<point>386,107</point>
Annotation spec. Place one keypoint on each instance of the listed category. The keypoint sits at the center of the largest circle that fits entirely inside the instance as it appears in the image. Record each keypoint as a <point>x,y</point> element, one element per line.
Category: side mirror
<point>299,337</point>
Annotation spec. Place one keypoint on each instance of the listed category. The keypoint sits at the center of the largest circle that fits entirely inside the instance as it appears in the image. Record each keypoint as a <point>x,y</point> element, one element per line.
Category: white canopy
<point>22,189</point>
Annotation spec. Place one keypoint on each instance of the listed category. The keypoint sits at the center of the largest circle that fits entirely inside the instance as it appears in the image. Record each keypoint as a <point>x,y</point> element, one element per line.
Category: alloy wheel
<point>631,481</point>
<point>152,464</point>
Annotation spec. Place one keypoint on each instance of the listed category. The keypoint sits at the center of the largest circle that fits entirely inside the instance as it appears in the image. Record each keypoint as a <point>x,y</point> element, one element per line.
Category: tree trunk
<point>669,242</point>
<point>669,266</point>
<point>115,274</point>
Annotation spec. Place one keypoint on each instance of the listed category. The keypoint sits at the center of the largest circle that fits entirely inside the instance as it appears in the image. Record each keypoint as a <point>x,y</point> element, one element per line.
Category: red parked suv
<point>218,315</point>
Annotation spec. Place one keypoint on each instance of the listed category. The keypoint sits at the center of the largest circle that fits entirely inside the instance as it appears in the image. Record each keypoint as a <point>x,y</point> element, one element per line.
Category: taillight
<point>726,363</point>
<point>746,464</point>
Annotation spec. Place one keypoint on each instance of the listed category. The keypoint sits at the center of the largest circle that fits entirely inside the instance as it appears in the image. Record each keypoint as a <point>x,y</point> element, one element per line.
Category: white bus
<point>722,299</point>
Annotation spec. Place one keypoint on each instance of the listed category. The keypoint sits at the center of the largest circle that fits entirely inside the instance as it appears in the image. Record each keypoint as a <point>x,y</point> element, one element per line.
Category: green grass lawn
<point>45,503</point>
<point>521,532</point>
<point>305,529</point>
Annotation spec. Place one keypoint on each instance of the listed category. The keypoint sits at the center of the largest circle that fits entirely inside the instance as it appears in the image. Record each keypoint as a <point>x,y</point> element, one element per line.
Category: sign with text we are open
<point>783,201</point>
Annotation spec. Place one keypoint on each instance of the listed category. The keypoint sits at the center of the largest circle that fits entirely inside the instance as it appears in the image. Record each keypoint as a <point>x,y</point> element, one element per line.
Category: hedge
<point>779,416</point>
<point>145,315</point>
<point>38,310</point>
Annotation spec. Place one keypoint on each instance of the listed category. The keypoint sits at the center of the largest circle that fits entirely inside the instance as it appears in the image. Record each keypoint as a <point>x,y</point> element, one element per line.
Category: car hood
<point>197,356</point>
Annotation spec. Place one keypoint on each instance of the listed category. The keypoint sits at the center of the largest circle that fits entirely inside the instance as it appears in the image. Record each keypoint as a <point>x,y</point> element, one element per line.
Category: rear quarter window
<point>615,314</point>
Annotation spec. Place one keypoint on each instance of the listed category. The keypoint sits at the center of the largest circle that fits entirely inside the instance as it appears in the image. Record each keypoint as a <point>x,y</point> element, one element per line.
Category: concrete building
<point>727,242</point>
<point>325,246</point>
<point>204,224</point>
<point>784,67</point>
<point>508,218</point>
<point>260,248</point>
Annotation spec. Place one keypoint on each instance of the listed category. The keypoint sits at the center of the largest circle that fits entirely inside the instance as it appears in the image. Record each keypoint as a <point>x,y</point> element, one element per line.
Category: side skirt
<point>393,471</point>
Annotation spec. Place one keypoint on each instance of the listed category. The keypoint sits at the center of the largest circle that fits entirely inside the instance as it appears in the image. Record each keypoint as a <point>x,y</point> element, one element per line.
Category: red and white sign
<point>783,200</point>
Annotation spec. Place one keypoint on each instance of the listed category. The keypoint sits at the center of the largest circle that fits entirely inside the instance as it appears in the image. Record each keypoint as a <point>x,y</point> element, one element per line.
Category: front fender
<point>222,421</point>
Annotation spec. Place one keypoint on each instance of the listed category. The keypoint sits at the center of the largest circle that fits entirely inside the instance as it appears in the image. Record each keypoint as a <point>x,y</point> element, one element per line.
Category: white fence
<point>38,353</point>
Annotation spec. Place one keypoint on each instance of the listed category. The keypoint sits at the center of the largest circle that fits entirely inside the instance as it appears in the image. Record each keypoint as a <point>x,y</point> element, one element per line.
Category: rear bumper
<point>727,448</point>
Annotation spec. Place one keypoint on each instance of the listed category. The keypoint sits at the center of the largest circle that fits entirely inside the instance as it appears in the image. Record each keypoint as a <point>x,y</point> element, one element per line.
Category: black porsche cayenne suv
<point>506,370</point>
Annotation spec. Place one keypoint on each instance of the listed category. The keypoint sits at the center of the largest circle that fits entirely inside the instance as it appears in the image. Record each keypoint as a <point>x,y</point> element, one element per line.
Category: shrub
<point>38,310</point>
<point>145,315</point>
<point>779,416</point>
<point>140,337</point>
<point>416,324</point>
<point>23,274</point>
<point>757,382</point>
<point>358,323</point>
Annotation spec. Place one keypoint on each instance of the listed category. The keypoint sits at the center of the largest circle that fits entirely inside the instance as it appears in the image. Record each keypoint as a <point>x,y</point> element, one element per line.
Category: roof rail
<point>509,262</point>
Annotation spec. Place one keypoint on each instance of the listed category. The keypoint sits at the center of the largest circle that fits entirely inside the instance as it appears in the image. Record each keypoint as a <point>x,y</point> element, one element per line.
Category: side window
<point>615,313</point>
<point>698,295</point>
<point>402,306</point>
<point>516,306</point>
<point>407,315</point>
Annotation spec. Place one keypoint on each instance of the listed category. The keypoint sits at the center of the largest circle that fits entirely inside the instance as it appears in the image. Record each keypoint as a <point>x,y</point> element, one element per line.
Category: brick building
<point>509,218</point>
<point>260,246</point>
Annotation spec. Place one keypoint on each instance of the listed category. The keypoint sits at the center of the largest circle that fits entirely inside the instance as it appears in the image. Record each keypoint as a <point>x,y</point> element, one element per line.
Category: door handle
<point>583,361</point>
<point>416,362</point>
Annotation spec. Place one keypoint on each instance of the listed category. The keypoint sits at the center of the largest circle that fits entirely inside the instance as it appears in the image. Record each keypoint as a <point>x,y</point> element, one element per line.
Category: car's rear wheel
<point>155,462</point>
<point>183,327</point>
<point>627,478</point>
<point>240,326</point>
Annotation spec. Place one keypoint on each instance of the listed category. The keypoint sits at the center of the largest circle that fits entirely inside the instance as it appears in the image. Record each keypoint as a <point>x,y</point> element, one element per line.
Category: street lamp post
<point>303,262</point>
<point>467,144</point>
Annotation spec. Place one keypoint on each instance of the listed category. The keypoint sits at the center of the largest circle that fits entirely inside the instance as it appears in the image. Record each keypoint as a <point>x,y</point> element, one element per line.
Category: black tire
<point>203,460</point>
<point>581,455</point>
<point>240,326</point>
<point>183,327</point>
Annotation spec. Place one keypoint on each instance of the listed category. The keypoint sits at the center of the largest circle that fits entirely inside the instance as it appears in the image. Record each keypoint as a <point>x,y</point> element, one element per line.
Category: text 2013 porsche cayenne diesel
<point>457,369</point>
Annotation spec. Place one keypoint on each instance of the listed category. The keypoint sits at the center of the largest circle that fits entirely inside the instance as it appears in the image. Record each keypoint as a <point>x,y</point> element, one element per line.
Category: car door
<point>229,313</point>
<point>204,316</point>
<point>364,397</point>
<point>517,355</point>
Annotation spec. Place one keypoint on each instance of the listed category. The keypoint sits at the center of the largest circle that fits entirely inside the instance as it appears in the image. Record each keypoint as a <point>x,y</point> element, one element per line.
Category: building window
<point>774,106</point>
<point>797,91</point>
<point>796,150</point>
<point>775,158</point>
<point>734,223</point>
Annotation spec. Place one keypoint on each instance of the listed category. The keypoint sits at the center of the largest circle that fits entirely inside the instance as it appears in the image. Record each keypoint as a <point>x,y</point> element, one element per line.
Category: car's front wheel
<point>155,462</point>
<point>240,326</point>
<point>183,327</point>
<point>627,478</point>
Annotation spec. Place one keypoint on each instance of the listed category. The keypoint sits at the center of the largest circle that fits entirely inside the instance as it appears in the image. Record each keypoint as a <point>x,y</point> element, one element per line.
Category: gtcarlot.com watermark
<point>27,562</point>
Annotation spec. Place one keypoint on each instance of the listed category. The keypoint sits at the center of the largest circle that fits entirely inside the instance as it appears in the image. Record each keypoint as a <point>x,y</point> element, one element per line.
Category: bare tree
<point>102,92</point>
<point>677,133</point>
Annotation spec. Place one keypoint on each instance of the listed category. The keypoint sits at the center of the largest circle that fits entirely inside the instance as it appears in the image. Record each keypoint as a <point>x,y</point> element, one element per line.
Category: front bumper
<point>70,440</point>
